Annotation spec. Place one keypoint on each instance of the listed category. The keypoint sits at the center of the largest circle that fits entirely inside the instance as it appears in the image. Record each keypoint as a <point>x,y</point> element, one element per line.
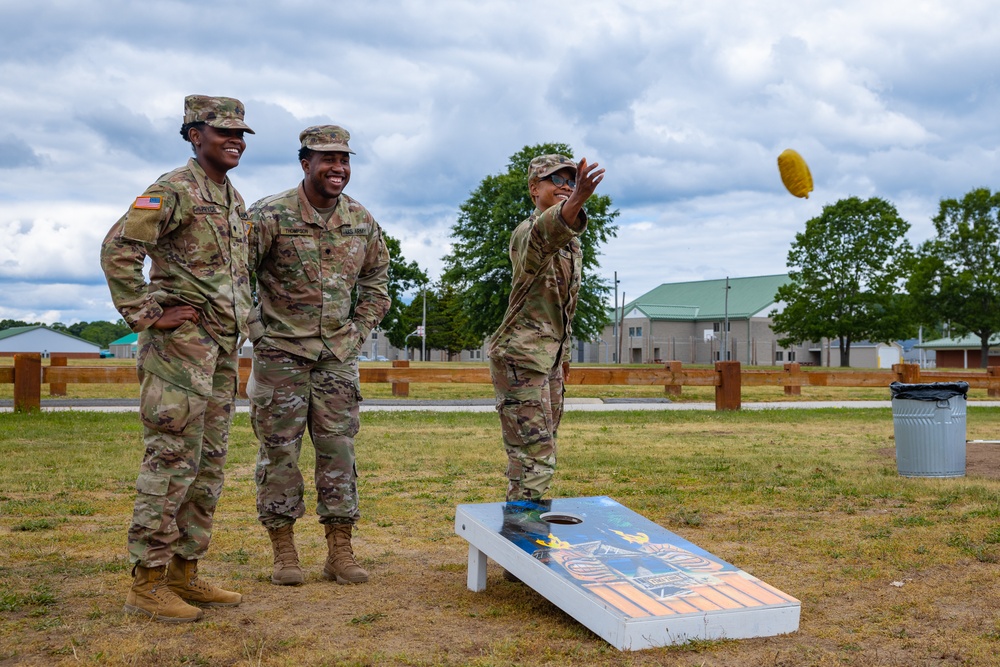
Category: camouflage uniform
<point>194,232</point>
<point>527,351</point>
<point>306,342</point>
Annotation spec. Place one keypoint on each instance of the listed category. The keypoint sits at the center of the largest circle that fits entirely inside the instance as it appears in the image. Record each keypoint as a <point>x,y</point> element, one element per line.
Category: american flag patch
<point>148,203</point>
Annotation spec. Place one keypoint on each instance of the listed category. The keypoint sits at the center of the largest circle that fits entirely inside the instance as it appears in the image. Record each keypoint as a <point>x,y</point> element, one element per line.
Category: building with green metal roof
<point>687,322</point>
<point>965,352</point>
<point>125,347</point>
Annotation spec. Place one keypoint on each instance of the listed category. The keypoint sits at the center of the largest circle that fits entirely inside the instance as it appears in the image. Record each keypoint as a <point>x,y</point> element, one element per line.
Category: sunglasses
<point>559,181</point>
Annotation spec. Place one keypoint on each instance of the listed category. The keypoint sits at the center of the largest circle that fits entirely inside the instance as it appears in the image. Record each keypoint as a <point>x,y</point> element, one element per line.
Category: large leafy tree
<point>955,277</point>
<point>403,277</point>
<point>845,272</point>
<point>479,266</point>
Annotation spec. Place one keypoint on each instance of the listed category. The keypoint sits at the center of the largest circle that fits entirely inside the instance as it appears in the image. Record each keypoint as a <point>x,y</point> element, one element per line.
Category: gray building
<point>687,322</point>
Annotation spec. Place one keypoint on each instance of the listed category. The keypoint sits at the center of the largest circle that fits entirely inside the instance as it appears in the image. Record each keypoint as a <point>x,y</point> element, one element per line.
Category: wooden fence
<point>28,375</point>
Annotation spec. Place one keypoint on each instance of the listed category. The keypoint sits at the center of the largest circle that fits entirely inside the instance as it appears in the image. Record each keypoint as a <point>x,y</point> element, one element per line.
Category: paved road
<point>487,405</point>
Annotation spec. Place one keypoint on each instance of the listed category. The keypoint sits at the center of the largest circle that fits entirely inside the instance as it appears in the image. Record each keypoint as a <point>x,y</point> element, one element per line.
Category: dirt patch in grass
<point>982,459</point>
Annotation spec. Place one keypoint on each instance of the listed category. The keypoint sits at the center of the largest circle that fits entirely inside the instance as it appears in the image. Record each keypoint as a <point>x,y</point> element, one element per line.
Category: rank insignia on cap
<point>148,203</point>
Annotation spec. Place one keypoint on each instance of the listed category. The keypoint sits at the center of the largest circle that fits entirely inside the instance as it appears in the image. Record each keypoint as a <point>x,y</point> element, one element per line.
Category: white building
<point>45,341</point>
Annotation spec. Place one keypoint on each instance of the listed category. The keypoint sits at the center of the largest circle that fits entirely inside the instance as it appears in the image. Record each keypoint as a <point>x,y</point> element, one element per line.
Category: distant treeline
<point>98,332</point>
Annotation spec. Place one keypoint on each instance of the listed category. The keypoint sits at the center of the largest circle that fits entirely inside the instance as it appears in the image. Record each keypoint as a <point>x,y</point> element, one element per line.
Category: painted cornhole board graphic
<point>630,581</point>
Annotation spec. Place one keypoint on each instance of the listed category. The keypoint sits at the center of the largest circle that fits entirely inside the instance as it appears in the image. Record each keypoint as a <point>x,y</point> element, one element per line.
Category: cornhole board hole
<point>630,581</point>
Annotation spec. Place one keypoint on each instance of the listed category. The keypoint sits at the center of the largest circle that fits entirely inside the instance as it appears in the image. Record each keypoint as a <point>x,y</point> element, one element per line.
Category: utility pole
<point>615,324</point>
<point>423,338</point>
<point>725,330</point>
<point>621,328</point>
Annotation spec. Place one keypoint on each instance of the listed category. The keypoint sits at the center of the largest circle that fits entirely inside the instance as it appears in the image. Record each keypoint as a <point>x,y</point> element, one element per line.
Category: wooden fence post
<point>792,369</point>
<point>907,373</point>
<point>245,368</point>
<point>727,392</point>
<point>57,388</point>
<point>993,372</point>
<point>672,389</point>
<point>401,389</point>
<point>27,382</point>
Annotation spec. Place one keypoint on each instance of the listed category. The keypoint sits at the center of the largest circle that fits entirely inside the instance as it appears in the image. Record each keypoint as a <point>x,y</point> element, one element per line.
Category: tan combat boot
<point>182,577</point>
<point>340,564</point>
<point>151,596</point>
<point>286,560</point>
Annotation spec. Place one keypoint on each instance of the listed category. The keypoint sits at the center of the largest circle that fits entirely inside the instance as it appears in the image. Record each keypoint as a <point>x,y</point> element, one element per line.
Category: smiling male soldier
<point>530,352</point>
<point>310,247</point>
<point>190,318</point>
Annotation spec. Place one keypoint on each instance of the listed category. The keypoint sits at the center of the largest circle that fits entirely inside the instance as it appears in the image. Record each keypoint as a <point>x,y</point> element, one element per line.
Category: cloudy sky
<point>687,104</point>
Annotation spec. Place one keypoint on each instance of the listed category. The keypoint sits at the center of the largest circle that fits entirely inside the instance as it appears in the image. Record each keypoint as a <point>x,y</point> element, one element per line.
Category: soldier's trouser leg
<point>557,392</point>
<point>524,404</point>
<point>333,423</point>
<point>180,478</point>
<point>194,519</point>
<point>279,410</point>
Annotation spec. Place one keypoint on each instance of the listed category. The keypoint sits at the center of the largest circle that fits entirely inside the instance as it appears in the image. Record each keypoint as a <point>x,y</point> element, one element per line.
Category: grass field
<point>890,570</point>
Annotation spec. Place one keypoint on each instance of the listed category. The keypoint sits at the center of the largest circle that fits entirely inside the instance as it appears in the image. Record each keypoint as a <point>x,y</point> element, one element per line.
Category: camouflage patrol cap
<point>326,138</point>
<point>545,165</point>
<point>221,112</point>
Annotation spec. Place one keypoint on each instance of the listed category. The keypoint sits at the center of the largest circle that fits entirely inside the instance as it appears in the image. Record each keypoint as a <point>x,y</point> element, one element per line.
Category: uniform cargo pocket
<point>150,499</point>
<point>166,408</point>
<point>260,394</point>
<point>523,418</point>
<point>152,484</point>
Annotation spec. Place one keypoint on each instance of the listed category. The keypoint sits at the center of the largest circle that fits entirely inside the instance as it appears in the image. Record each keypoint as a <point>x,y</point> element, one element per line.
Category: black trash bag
<point>932,391</point>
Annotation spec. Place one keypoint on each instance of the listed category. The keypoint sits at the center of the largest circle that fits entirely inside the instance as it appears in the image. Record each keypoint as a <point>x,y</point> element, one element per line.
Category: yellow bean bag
<point>795,173</point>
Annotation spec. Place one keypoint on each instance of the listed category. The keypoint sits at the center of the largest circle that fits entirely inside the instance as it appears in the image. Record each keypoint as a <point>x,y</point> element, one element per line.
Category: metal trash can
<point>929,425</point>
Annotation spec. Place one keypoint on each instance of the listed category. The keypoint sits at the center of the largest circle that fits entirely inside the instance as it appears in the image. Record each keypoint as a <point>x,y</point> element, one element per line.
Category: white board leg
<point>477,570</point>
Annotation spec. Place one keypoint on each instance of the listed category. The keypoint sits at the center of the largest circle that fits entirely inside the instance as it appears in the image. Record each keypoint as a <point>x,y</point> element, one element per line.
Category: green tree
<point>102,333</point>
<point>11,324</point>
<point>403,277</point>
<point>450,328</point>
<point>447,322</point>
<point>479,266</point>
<point>411,316</point>
<point>845,270</point>
<point>955,277</point>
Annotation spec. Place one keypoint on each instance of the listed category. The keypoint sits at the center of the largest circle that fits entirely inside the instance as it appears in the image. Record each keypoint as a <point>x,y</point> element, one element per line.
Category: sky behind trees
<point>686,104</point>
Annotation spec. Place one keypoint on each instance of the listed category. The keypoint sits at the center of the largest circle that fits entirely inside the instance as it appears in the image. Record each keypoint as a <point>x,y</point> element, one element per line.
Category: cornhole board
<point>630,581</point>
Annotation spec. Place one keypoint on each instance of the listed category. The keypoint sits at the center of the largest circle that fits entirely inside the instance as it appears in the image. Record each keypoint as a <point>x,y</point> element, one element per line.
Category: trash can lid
<point>931,391</point>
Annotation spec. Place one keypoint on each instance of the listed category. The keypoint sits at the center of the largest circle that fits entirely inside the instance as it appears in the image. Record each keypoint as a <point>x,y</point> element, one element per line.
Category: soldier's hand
<point>588,176</point>
<point>174,316</point>
<point>565,371</point>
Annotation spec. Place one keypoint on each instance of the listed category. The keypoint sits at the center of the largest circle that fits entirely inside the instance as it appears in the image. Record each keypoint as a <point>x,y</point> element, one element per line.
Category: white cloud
<point>686,104</point>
